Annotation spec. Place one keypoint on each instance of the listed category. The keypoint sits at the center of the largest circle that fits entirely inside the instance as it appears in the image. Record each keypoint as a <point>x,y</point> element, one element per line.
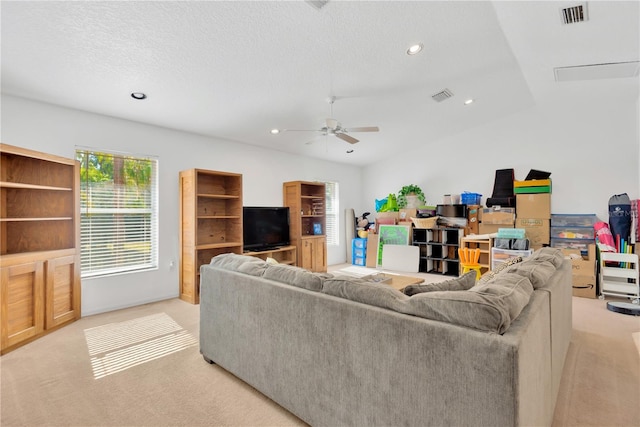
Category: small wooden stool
<point>469,260</point>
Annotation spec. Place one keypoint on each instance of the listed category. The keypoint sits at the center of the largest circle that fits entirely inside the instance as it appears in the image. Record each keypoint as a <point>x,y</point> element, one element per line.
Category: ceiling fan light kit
<point>334,128</point>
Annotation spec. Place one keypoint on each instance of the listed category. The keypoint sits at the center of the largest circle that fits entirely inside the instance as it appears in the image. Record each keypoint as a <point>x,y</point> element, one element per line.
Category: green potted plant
<point>410,196</point>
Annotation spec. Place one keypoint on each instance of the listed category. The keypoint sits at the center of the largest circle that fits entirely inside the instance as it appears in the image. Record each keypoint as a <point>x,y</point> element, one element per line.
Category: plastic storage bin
<point>573,232</point>
<point>582,244</point>
<point>573,220</point>
<point>470,198</point>
<point>359,260</point>
<point>359,243</point>
<point>499,256</point>
<point>359,252</point>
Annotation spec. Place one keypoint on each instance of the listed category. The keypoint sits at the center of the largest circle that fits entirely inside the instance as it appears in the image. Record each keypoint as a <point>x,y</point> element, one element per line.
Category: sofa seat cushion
<point>241,263</point>
<point>462,283</point>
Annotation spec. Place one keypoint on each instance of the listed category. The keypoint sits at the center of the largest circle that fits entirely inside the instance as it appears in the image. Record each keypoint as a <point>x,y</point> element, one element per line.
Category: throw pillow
<point>461,283</point>
<point>295,276</point>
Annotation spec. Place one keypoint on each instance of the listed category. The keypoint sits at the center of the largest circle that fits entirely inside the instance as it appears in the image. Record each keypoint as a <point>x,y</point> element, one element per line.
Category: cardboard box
<point>537,230</point>
<point>491,228</point>
<point>372,250</point>
<point>583,272</point>
<point>393,215</point>
<point>533,206</point>
<point>532,190</point>
<point>406,214</point>
<point>473,211</point>
<point>584,286</point>
<point>498,217</point>
<point>532,183</point>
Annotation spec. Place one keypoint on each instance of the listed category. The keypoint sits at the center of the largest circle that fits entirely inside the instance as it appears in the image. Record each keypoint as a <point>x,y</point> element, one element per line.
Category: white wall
<point>589,146</point>
<point>57,130</point>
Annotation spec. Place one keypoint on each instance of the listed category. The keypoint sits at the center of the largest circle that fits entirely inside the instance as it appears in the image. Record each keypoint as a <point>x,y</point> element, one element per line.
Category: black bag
<point>620,216</point>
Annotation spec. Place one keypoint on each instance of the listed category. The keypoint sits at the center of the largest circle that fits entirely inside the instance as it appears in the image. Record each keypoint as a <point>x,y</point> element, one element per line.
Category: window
<point>118,212</point>
<point>332,225</point>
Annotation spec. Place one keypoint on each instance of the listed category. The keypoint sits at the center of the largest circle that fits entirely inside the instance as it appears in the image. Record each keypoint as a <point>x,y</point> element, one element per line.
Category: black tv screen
<point>265,227</point>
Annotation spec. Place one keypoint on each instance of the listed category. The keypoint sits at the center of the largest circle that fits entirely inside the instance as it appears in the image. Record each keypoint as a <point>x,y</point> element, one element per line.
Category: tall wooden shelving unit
<point>307,222</point>
<point>210,223</point>
<point>39,244</point>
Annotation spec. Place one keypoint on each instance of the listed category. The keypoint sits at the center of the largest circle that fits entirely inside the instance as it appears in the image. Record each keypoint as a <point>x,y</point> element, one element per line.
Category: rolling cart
<point>619,276</point>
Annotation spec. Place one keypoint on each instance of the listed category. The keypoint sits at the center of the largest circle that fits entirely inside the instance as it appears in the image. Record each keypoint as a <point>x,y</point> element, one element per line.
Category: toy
<point>362,222</point>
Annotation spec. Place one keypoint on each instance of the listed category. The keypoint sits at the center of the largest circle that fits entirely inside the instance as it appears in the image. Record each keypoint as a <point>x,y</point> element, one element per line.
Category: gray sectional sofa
<point>339,351</point>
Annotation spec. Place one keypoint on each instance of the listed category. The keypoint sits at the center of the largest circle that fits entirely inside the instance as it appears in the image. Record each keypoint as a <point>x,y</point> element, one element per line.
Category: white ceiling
<point>236,69</point>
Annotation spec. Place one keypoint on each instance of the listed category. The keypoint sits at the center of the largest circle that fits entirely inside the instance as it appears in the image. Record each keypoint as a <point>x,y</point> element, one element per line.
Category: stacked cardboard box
<point>491,219</point>
<point>473,223</point>
<point>583,272</point>
<point>532,186</point>
<point>533,213</point>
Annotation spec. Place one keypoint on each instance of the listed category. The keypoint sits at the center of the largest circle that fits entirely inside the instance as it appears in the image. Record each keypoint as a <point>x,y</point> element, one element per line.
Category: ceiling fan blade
<point>301,130</point>
<point>364,129</point>
<point>345,137</point>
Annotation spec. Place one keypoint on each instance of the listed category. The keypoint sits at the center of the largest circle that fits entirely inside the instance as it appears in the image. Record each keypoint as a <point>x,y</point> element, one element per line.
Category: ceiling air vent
<point>441,96</point>
<point>318,4</point>
<point>574,14</point>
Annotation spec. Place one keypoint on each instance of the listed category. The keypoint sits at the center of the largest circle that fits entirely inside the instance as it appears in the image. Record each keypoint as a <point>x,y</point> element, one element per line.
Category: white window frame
<point>129,243</point>
<point>332,217</point>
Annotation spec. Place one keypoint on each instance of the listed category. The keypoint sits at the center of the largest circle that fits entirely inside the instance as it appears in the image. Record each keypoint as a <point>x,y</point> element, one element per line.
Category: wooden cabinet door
<point>313,254</point>
<point>319,255</point>
<point>306,254</point>
<point>62,291</point>
<point>22,302</point>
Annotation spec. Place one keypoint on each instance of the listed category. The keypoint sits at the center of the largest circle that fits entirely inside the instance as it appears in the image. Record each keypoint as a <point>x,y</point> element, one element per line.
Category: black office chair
<point>503,194</point>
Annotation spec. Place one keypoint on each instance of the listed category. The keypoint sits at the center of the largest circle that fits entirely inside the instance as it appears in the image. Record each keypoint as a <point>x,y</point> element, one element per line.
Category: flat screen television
<point>265,227</point>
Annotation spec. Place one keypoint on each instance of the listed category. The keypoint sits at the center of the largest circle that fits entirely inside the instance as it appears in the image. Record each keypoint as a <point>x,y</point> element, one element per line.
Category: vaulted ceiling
<point>237,69</point>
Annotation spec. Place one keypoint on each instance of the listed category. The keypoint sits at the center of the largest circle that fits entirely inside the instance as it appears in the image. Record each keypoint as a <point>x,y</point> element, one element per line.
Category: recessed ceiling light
<point>416,48</point>
<point>275,131</point>
<point>468,101</point>
<point>138,95</point>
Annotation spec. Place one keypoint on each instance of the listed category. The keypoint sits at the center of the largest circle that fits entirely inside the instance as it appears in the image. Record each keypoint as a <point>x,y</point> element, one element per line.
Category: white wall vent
<point>442,95</point>
<point>574,14</point>
<point>318,4</point>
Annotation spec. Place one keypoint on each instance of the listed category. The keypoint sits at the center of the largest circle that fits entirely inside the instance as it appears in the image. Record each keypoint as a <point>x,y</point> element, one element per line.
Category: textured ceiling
<point>234,70</point>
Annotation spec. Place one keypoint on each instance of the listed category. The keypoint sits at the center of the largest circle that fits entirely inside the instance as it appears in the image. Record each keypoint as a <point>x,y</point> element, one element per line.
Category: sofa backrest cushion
<point>499,269</point>
<point>492,307</point>
<point>366,292</point>
<point>513,290</point>
<point>553,255</point>
<point>240,263</point>
<point>537,271</point>
<point>295,276</point>
<point>462,283</point>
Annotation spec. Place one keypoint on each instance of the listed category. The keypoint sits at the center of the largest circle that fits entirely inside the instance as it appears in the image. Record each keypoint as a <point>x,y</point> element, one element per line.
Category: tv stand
<point>284,254</point>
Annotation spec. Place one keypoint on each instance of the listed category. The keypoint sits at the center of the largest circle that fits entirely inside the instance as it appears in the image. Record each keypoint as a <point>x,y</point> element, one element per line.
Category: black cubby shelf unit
<point>438,249</point>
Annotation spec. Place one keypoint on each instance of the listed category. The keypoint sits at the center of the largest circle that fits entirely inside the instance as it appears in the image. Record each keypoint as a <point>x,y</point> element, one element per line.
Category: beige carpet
<point>141,367</point>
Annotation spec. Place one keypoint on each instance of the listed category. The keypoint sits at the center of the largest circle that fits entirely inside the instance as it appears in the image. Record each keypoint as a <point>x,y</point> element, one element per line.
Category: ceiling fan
<point>334,128</point>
